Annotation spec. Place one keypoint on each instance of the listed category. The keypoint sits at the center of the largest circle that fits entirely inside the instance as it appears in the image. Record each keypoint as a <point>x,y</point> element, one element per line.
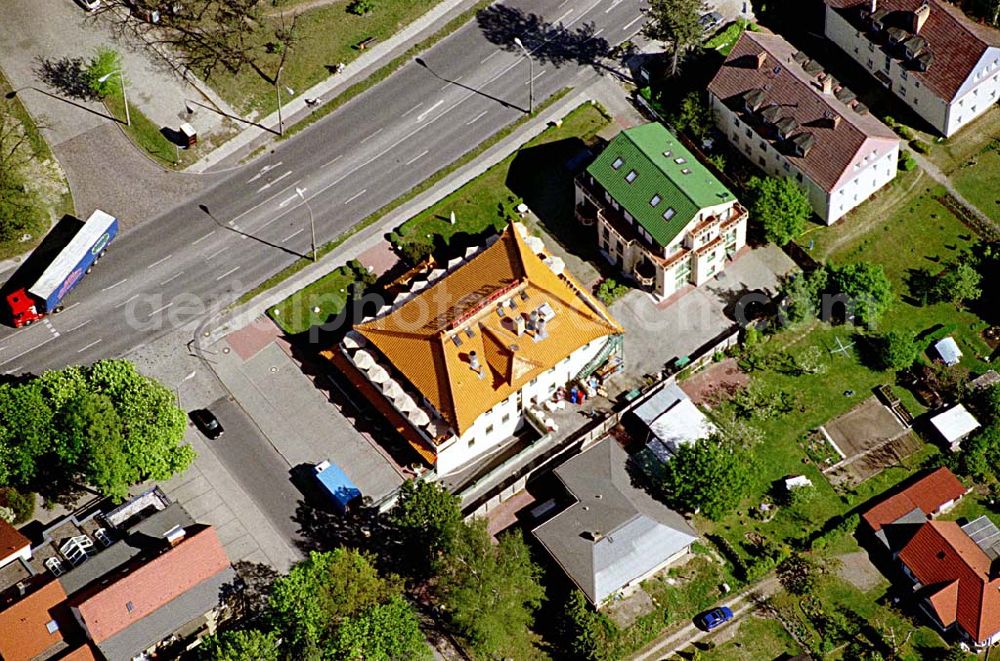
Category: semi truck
<point>43,295</point>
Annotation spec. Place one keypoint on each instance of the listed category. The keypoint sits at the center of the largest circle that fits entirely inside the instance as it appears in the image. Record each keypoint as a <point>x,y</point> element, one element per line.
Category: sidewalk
<point>372,236</point>
<point>265,129</point>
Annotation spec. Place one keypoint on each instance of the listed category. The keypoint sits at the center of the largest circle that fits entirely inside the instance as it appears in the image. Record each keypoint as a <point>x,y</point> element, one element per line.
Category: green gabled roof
<point>643,150</point>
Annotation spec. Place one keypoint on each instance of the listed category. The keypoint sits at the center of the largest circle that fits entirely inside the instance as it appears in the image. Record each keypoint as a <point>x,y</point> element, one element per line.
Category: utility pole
<point>531,76</point>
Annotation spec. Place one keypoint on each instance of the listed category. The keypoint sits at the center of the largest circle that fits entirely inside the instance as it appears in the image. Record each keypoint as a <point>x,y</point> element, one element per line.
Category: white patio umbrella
<point>354,340</point>
<point>470,251</point>
<point>404,403</point>
<point>556,264</point>
<point>418,417</point>
<point>437,428</point>
<point>455,261</point>
<point>363,359</point>
<point>536,244</point>
<point>392,389</point>
<point>418,285</point>
<point>435,274</point>
<point>378,374</point>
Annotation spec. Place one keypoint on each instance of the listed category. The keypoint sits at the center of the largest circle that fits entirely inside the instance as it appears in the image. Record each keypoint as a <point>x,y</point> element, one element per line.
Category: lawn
<point>725,40</point>
<point>298,313</point>
<point>536,174</point>
<point>326,36</point>
<point>143,131</point>
<point>756,638</point>
<point>950,153</point>
<point>978,180</point>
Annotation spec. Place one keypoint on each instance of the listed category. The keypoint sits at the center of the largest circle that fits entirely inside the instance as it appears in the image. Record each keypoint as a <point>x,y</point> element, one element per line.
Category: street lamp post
<point>177,388</point>
<point>312,221</point>
<point>531,76</point>
<point>104,78</point>
<point>277,92</point>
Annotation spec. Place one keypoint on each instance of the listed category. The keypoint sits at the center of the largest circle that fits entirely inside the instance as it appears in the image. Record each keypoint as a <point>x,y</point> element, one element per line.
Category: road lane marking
<point>364,140</point>
<point>614,3</point>
<point>263,202</point>
<point>424,114</point>
<point>537,76</point>
<point>70,307</point>
<point>197,241</point>
<point>287,201</point>
<point>264,170</point>
<point>354,197</point>
<point>172,278</point>
<point>273,182</point>
<point>160,309</point>
<point>90,346</point>
<point>38,346</point>
<point>227,273</point>
<point>417,157</point>
<point>564,16</point>
<point>632,22</point>
<point>78,327</point>
<point>126,302</point>
<point>14,370</point>
<point>159,261</point>
<point>490,56</point>
<point>333,160</point>
<point>293,235</point>
<point>593,36</point>
<point>412,109</point>
<point>216,253</point>
<point>450,82</point>
<point>477,118</point>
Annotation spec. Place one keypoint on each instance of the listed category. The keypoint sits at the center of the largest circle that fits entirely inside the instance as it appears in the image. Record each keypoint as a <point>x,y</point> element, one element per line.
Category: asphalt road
<point>252,461</point>
<point>206,251</point>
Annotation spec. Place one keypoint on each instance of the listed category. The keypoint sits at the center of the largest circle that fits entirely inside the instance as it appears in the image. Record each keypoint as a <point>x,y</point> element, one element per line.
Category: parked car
<point>206,421</point>
<point>90,5</point>
<point>714,618</point>
<point>710,21</point>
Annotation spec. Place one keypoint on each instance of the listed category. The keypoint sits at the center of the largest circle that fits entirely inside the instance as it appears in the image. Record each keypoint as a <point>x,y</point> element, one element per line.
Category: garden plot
<point>870,438</point>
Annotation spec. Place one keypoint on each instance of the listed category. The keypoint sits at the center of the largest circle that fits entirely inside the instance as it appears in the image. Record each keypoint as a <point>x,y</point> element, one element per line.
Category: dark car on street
<point>709,22</point>
<point>713,618</point>
<point>206,421</point>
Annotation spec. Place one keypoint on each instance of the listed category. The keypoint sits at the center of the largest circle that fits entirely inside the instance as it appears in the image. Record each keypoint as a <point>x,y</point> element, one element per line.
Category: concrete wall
<point>21,554</point>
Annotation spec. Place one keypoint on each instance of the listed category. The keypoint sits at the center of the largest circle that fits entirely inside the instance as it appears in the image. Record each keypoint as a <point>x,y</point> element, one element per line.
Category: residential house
<point>955,425</point>
<point>614,535</point>
<point>469,353</point>
<point>668,419</point>
<point>13,545</point>
<point>661,216</point>
<point>33,626</point>
<point>931,495</point>
<point>927,52</point>
<point>787,115</point>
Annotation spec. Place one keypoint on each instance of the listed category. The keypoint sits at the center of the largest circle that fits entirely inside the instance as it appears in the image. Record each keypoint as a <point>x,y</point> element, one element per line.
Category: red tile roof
<point>956,42</point>
<point>942,554</point>
<point>23,632</point>
<point>132,595</point>
<point>927,494</point>
<point>11,541</point>
<point>843,136</point>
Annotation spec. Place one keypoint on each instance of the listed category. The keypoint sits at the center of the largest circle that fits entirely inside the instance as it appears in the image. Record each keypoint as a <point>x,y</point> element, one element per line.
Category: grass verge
<point>387,70</point>
<point>428,183</point>
<point>143,132</point>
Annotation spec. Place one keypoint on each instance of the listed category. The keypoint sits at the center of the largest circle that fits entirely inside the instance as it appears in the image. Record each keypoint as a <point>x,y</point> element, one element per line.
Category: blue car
<point>714,618</point>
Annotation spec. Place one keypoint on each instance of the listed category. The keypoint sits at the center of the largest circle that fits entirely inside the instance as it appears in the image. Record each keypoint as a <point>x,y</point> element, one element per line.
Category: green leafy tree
<point>674,22</point>
<point>980,456</point>
<point>92,430</point>
<point>708,475</point>
<point>804,293</point>
<point>897,350</point>
<point>780,205</point>
<point>153,425</point>
<point>104,64</point>
<point>360,7</point>
<point>310,603</point>
<point>693,116</point>
<point>490,591</point>
<point>867,288</point>
<point>241,645</point>
<point>610,290</point>
<point>958,284</point>
<point>25,431</point>
<point>427,517</point>
<point>588,631</point>
<point>385,631</point>
<point>798,574</point>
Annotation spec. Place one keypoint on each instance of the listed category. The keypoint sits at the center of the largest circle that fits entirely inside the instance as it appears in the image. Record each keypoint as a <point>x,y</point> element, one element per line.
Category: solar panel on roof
<point>985,534</point>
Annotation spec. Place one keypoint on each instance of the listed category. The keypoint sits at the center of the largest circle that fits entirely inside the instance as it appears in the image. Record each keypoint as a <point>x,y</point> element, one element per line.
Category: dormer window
<point>686,171</point>
<point>617,163</point>
<point>656,200</point>
<point>680,161</point>
<point>669,213</point>
<point>667,153</point>
<point>630,177</point>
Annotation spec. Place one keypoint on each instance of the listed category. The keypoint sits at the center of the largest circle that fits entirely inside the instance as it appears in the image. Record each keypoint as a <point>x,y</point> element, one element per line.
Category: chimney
<point>474,361</point>
<point>827,84</point>
<point>533,321</point>
<point>761,59</point>
<point>540,333</point>
<point>835,121</point>
<point>920,17</point>
<point>593,535</point>
<point>519,325</point>
<point>873,7</point>
<point>174,535</point>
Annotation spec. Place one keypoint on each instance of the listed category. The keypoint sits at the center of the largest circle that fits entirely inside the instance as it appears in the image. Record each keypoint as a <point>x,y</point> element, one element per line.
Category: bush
<point>360,7</point>
<point>920,146</point>
<point>610,291</point>
<point>903,131</point>
<point>415,252</point>
<point>906,161</point>
<point>22,505</point>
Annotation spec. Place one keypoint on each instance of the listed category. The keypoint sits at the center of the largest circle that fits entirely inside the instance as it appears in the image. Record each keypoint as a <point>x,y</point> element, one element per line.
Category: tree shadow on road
<point>549,43</point>
<point>66,75</point>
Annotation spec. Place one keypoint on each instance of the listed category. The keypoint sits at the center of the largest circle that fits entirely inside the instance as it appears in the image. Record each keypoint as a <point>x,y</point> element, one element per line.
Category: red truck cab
<point>23,309</point>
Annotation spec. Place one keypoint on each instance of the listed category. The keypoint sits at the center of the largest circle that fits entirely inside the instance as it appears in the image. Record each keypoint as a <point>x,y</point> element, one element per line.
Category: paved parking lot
<point>656,334</point>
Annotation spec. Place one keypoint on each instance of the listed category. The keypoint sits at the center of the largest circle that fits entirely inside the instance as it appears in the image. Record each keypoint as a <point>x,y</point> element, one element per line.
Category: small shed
<point>954,425</point>
<point>797,482</point>
<point>948,349</point>
<point>337,485</point>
